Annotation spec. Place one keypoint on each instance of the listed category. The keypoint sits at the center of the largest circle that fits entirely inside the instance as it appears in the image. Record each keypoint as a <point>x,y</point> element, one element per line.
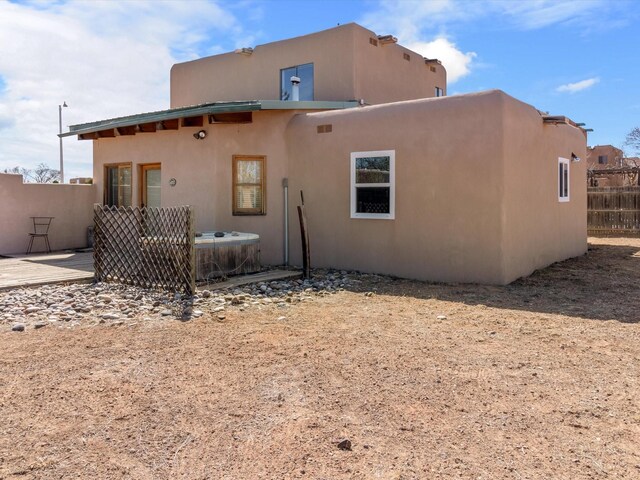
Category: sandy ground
<point>535,380</point>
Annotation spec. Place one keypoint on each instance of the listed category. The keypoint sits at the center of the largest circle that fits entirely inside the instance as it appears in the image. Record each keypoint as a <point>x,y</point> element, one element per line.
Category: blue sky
<point>108,58</point>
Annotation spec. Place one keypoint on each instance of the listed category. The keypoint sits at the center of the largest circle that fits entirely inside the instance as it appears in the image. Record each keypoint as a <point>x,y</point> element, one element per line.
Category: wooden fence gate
<point>613,210</point>
<point>146,247</point>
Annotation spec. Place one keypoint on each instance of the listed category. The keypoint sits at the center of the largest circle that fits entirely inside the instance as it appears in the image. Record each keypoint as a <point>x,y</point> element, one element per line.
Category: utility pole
<point>64,104</point>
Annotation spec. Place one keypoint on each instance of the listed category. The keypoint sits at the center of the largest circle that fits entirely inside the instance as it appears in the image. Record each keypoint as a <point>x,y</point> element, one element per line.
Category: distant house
<point>397,177</point>
<point>603,156</point>
<point>608,167</point>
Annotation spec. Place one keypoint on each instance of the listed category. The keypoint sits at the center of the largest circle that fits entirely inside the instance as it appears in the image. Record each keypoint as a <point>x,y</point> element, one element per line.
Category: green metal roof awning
<point>198,111</point>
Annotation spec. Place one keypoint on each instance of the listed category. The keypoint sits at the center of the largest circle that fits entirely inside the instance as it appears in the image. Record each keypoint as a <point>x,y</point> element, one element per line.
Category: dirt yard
<point>535,380</point>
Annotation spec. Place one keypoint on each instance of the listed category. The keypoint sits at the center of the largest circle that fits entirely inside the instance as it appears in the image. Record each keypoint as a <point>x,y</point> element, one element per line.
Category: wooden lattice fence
<point>613,210</point>
<point>146,247</point>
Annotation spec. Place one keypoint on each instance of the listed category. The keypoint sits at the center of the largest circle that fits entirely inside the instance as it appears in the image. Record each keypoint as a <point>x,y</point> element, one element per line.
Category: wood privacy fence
<point>146,247</point>
<point>613,210</point>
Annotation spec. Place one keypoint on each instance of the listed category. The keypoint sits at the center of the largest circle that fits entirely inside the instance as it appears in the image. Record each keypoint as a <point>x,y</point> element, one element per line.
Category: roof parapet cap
<point>244,51</point>
<point>386,39</point>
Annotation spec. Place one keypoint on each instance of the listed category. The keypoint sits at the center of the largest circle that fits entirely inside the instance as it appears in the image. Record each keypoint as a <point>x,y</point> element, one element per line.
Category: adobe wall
<point>203,173</point>
<point>346,67</point>
<point>383,73</point>
<point>449,172</point>
<point>231,76</point>
<point>71,205</point>
<point>538,229</point>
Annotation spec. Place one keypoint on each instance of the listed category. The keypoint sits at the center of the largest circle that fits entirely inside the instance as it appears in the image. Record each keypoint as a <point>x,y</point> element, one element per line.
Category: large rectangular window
<point>117,188</point>
<point>249,196</point>
<point>373,184</point>
<point>563,180</point>
<point>305,74</point>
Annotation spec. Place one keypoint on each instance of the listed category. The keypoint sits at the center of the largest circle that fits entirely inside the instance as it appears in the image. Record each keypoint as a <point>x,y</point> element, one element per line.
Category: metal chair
<point>40,230</point>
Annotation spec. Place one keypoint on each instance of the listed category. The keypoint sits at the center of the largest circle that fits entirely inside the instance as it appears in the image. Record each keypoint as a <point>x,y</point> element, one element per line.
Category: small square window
<point>563,180</point>
<point>249,185</point>
<point>373,184</point>
<point>603,159</point>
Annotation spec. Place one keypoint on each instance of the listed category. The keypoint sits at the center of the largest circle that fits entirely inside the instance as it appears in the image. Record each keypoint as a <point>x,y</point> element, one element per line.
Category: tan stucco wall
<point>539,229</point>
<point>476,185</point>
<point>203,172</point>
<point>448,167</point>
<point>71,205</point>
<point>476,189</point>
<point>382,74</point>
<point>346,67</point>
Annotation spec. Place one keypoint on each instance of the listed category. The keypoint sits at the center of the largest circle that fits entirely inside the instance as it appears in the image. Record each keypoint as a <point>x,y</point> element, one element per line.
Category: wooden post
<point>304,233</point>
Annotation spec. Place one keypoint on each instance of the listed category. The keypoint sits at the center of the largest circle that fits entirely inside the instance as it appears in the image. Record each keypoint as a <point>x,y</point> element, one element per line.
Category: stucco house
<point>398,178</point>
<point>608,167</point>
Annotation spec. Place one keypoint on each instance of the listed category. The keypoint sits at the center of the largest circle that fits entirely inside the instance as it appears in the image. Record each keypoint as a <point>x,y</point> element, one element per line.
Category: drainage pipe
<point>285,185</point>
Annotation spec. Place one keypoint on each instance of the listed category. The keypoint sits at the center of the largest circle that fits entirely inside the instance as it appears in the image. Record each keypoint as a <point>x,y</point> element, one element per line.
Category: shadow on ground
<point>74,261</point>
<point>603,284</point>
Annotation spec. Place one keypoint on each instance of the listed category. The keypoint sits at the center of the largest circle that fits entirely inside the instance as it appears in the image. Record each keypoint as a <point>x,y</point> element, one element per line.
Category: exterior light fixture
<point>574,157</point>
<point>200,135</point>
<point>64,104</point>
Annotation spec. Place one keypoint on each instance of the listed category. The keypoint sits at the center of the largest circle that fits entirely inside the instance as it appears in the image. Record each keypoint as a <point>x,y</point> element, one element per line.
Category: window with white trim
<point>373,184</point>
<point>563,179</point>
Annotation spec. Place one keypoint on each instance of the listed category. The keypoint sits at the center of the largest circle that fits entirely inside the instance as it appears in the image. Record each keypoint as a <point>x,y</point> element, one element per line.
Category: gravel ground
<point>361,377</point>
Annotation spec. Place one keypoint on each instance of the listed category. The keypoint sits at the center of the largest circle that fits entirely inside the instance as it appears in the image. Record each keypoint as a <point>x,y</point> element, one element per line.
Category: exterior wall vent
<point>325,128</point>
<point>373,41</point>
<point>406,56</point>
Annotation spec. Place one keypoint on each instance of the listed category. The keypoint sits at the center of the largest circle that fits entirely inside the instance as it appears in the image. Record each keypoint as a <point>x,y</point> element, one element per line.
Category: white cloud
<point>536,14</point>
<point>407,19</point>
<point>578,86</point>
<point>457,63</point>
<point>422,24</point>
<point>103,58</point>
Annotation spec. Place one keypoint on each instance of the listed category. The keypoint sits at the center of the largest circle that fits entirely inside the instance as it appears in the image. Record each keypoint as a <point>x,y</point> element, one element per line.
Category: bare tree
<point>25,172</point>
<point>44,174</point>
<point>632,141</point>
<point>41,174</point>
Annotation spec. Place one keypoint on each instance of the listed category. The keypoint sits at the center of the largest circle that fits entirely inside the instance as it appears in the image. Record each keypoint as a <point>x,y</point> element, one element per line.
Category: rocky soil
<point>348,376</point>
<point>73,305</point>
